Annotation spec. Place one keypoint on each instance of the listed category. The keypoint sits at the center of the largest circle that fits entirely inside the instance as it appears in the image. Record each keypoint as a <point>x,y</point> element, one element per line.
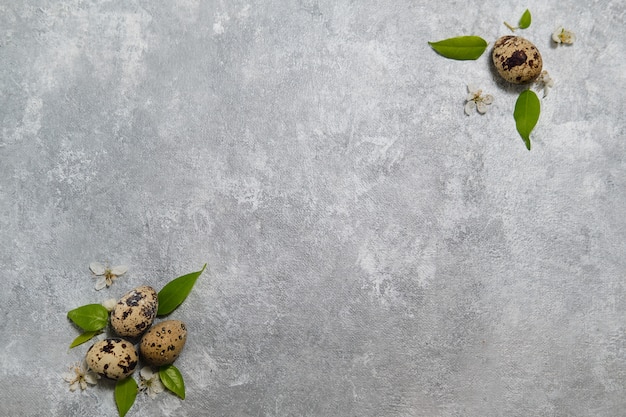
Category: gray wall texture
<point>372,250</point>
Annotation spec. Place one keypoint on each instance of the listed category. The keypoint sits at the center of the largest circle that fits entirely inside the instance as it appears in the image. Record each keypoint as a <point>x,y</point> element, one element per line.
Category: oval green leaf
<point>84,337</point>
<point>125,394</point>
<point>460,48</point>
<point>175,292</point>
<point>527,109</point>
<point>525,20</point>
<point>172,379</point>
<point>90,317</point>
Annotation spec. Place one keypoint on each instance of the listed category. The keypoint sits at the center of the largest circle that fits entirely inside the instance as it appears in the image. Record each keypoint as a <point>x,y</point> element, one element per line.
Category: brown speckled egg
<point>135,312</point>
<point>162,344</point>
<point>516,59</point>
<point>112,358</point>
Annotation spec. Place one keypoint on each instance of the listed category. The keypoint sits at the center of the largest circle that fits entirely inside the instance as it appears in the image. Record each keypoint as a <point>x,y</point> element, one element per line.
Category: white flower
<point>150,382</point>
<point>109,304</point>
<point>562,35</point>
<point>107,275</point>
<point>80,376</point>
<point>476,100</point>
<point>544,82</point>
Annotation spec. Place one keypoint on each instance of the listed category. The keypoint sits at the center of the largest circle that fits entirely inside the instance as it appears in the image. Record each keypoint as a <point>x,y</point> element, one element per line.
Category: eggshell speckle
<point>135,312</point>
<point>516,59</point>
<point>162,344</point>
<point>112,358</point>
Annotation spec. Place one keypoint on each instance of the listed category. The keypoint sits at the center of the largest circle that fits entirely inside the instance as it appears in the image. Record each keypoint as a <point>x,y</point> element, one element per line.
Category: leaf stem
<point>511,27</point>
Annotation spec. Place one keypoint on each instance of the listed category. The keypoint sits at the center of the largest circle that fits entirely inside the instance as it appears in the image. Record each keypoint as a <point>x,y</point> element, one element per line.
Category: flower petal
<point>568,37</point>
<point>119,270</point>
<point>74,386</point>
<point>469,107</point>
<point>109,304</point>
<point>97,268</point>
<point>487,99</point>
<point>556,35</point>
<point>91,378</point>
<point>146,372</point>
<point>481,107</point>
<point>157,386</point>
<point>101,283</point>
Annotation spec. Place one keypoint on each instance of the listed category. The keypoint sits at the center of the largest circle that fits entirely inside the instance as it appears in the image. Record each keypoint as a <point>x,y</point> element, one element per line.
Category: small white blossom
<point>562,35</point>
<point>544,82</point>
<point>80,376</point>
<point>476,100</point>
<point>107,276</point>
<point>150,382</point>
<point>109,304</point>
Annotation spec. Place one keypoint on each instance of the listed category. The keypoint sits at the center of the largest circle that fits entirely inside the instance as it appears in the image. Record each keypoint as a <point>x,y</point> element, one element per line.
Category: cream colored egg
<point>516,59</point>
<point>162,344</point>
<point>135,312</point>
<point>112,358</point>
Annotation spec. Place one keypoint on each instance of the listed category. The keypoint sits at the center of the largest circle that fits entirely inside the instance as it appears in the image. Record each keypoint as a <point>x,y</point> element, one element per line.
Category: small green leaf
<point>525,20</point>
<point>172,379</point>
<point>90,317</point>
<point>125,394</point>
<point>527,109</point>
<point>460,48</point>
<point>84,337</point>
<point>175,292</point>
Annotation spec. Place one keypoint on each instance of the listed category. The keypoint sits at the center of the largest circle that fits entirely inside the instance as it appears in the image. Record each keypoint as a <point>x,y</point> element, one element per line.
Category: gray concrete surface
<point>372,251</point>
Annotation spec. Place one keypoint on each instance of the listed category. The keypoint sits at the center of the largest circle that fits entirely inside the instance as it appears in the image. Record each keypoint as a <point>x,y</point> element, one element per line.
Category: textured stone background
<point>372,251</point>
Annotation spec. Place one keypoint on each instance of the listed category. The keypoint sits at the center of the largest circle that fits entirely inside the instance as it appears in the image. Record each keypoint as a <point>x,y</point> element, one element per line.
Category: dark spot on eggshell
<point>108,348</point>
<point>515,60</point>
<point>134,299</point>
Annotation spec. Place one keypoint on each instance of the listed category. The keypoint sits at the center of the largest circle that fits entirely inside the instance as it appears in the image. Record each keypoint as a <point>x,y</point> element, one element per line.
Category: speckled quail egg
<point>112,358</point>
<point>135,312</point>
<point>516,59</point>
<point>162,344</point>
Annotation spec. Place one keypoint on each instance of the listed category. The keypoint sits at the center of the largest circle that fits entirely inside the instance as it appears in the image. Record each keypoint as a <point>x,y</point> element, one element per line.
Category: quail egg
<point>162,344</point>
<point>112,358</point>
<point>516,59</point>
<point>135,312</point>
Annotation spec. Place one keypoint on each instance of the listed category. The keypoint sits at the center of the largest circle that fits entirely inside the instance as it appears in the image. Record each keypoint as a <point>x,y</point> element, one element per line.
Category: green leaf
<point>460,48</point>
<point>172,379</point>
<point>527,109</point>
<point>525,20</point>
<point>90,317</point>
<point>84,337</point>
<point>175,292</point>
<point>125,394</point>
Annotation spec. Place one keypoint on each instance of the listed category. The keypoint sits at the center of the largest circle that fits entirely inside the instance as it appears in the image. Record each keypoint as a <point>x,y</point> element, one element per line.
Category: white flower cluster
<point>150,382</point>
<point>476,100</point>
<point>80,376</point>
<point>107,275</point>
<point>563,36</point>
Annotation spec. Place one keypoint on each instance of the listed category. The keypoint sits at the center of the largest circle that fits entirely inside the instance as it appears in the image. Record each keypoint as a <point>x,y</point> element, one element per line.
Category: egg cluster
<point>132,317</point>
